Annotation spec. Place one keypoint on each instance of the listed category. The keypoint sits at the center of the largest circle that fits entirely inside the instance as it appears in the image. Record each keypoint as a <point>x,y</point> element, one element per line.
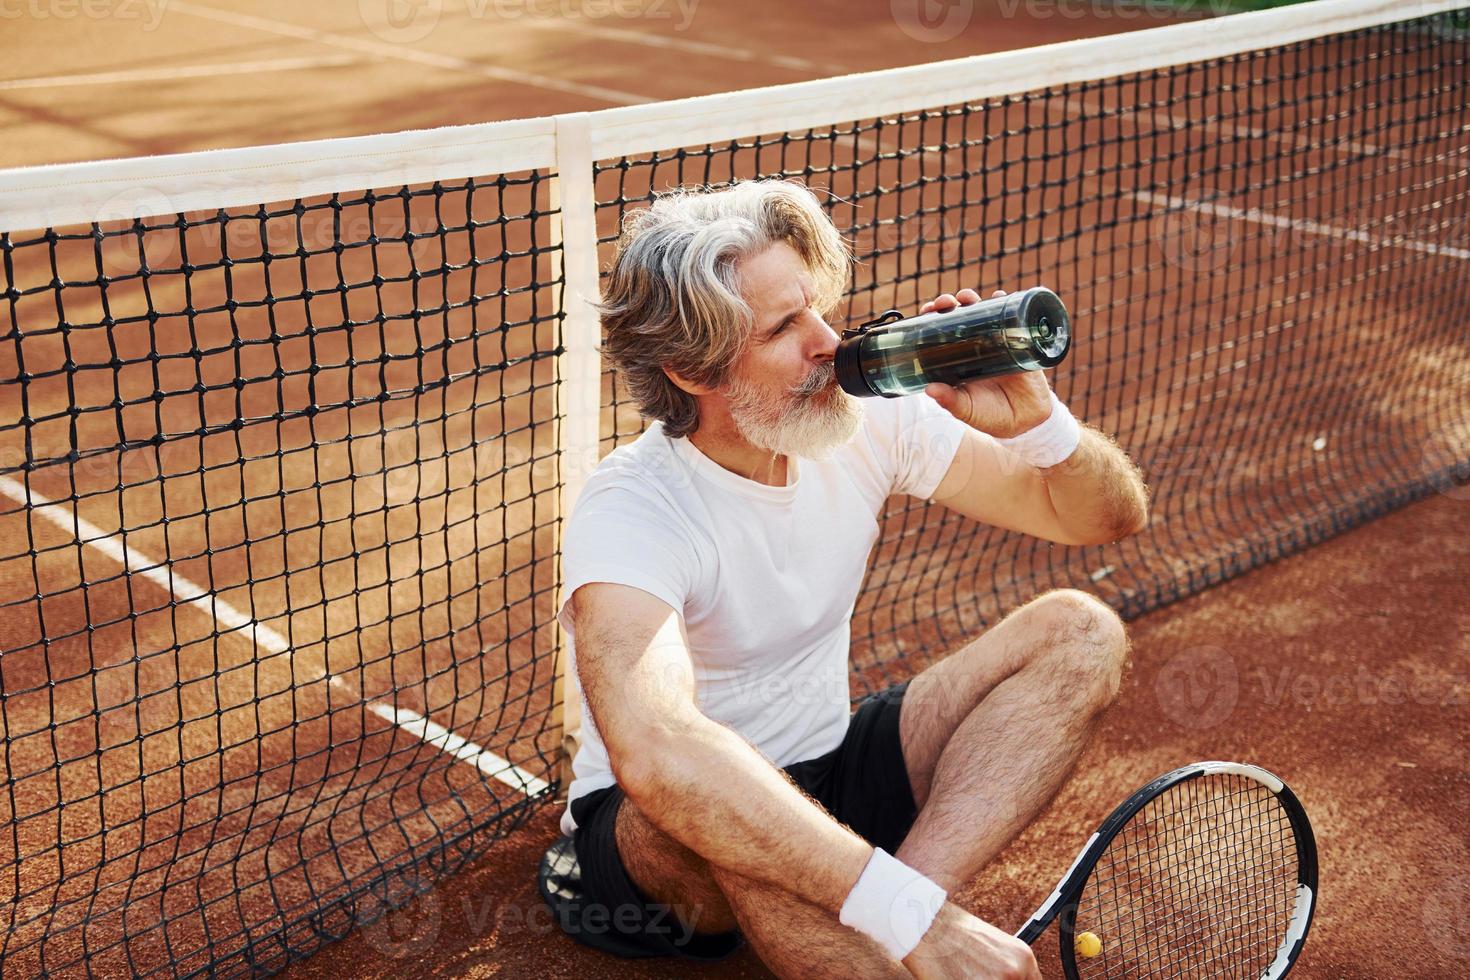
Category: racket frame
<point>1063,900</point>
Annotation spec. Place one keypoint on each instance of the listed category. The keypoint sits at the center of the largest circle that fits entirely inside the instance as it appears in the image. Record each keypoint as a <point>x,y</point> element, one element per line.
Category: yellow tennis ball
<point>1088,945</point>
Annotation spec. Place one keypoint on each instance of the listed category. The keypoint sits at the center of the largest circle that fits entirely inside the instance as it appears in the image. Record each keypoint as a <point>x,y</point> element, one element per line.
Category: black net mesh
<point>277,510</point>
<point>1265,259</point>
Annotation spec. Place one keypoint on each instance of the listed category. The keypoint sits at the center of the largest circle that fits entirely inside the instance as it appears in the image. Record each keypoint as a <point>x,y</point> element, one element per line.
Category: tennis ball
<point>1088,945</point>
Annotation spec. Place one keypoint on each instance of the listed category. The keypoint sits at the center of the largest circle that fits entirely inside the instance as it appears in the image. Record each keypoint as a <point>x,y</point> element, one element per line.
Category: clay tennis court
<point>1305,666</point>
<point>367,565</point>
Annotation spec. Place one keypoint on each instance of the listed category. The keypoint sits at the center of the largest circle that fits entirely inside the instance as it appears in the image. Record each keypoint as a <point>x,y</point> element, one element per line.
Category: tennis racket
<point>1208,871</point>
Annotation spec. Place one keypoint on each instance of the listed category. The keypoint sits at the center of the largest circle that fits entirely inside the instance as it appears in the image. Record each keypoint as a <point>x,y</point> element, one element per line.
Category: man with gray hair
<point>723,791</point>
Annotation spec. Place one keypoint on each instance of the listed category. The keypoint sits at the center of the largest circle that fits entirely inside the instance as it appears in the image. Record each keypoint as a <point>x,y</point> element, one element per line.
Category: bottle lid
<point>1045,317</point>
<point>847,364</point>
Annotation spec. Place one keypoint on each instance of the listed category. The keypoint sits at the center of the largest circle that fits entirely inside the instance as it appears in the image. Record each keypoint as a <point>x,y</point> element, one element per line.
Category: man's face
<point>783,394</point>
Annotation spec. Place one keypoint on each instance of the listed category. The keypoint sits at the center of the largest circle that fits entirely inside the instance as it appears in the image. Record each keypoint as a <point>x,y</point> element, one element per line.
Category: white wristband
<point>1050,442</point>
<point>892,904</point>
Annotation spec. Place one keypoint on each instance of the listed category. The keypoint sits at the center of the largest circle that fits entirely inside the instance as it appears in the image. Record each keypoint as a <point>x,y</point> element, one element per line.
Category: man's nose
<point>824,340</point>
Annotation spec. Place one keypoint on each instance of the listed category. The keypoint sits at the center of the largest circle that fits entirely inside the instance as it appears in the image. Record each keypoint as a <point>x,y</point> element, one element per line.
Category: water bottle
<point>893,355</point>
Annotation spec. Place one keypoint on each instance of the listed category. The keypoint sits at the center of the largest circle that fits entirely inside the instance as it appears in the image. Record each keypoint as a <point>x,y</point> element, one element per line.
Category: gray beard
<point>813,421</point>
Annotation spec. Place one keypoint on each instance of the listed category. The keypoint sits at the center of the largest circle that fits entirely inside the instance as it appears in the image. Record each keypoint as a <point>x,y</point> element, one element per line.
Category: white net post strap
<point>579,368</point>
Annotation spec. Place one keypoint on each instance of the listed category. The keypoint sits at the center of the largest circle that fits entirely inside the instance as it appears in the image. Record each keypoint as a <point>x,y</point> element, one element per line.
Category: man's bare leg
<point>1049,668</point>
<point>791,937</point>
<point>794,939</point>
<point>991,733</point>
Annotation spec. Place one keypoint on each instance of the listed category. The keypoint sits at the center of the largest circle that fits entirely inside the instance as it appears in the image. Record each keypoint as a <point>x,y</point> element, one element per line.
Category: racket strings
<point>1202,882</point>
<point>1189,901</point>
<point>1192,905</point>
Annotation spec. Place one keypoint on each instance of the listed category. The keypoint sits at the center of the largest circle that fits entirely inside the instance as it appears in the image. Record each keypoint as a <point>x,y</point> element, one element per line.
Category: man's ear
<point>685,385</point>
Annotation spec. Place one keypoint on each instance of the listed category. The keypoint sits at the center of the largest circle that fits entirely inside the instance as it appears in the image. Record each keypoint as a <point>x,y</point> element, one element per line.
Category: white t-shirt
<point>764,577</point>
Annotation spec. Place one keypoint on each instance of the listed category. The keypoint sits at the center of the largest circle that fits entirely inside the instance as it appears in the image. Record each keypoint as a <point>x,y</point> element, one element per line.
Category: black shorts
<point>863,783</point>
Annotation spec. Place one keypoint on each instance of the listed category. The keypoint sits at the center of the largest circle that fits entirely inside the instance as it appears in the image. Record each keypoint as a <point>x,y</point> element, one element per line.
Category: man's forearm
<point>719,797</point>
<point>1097,492</point>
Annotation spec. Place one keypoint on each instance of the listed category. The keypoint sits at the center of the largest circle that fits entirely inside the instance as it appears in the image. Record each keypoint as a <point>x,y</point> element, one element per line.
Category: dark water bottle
<point>893,356</point>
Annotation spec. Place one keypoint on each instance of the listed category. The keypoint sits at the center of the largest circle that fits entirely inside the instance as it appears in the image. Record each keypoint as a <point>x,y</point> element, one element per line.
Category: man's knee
<point>669,873</point>
<point>1083,639</point>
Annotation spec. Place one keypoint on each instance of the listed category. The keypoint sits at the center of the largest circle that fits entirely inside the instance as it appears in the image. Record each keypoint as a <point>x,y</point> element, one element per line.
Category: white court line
<point>466,751</point>
<point>183,71</point>
<point>1264,217</point>
<point>599,31</point>
<point>1076,108</point>
<point>684,45</point>
<point>1176,124</point>
<point>1259,217</point>
<point>265,638</point>
<point>403,52</point>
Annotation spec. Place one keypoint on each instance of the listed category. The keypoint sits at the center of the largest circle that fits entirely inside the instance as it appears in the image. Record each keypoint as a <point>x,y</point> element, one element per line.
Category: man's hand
<point>960,945</point>
<point>1002,407</point>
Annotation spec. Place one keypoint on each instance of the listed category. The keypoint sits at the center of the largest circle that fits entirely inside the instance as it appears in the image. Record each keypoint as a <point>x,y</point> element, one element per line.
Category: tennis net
<point>284,458</point>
